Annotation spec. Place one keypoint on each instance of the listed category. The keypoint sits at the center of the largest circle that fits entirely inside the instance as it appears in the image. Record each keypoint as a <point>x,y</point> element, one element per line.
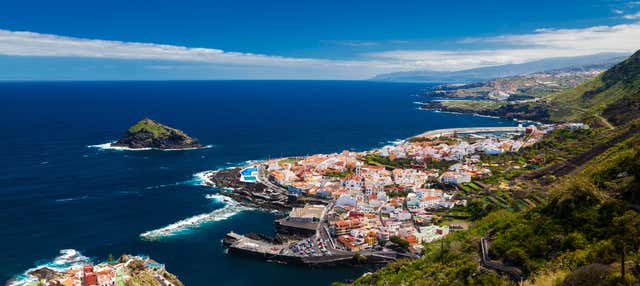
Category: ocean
<point>59,192</point>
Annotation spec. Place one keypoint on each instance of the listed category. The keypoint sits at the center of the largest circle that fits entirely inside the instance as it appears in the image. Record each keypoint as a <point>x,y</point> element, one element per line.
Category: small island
<point>148,133</point>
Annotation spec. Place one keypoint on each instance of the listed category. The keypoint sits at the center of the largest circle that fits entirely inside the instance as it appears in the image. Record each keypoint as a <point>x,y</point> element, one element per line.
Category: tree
<point>476,209</point>
<point>627,235</point>
<point>400,242</point>
<point>359,258</point>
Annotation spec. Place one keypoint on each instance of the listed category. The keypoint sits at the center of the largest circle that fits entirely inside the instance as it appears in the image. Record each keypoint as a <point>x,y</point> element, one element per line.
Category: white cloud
<point>35,44</point>
<point>17,43</point>
<point>498,50</point>
<point>351,43</point>
<point>632,16</point>
<point>543,43</point>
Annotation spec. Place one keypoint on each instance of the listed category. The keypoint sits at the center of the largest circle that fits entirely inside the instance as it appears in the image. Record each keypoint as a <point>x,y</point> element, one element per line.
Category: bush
<point>400,242</point>
<point>517,257</point>
<point>575,240</point>
<point>359,258</point>
<point>592,274</point>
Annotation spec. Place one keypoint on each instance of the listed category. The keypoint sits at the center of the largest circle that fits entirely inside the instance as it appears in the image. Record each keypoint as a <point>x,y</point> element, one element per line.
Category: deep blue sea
<point>57,193</point>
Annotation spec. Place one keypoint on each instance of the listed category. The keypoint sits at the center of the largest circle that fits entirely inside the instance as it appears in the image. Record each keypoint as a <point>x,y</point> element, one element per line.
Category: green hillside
<point>614,95</point>
<point>590,222</point>
<point>612,98</point>
<point>153,127</point>
<point>587,231</point>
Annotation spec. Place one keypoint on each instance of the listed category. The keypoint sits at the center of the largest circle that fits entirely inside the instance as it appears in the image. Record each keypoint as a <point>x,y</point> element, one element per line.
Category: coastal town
<point>368,207</point>
<point>127,270</point>
<point>520,87</point>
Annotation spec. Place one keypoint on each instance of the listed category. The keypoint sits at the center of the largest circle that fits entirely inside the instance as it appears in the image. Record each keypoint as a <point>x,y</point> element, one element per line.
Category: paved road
<point>514,273</point>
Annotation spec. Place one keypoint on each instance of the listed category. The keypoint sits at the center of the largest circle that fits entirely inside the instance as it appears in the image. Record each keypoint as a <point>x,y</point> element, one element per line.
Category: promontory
<point>148,133</point>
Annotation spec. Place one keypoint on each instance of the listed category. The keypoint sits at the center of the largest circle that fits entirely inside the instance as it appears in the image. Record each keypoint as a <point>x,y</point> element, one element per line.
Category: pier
<point>468,130</point>
<point>238,244</point>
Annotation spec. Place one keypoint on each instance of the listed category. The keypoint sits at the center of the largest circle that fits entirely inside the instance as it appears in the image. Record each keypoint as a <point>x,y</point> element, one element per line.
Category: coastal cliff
<point>148,133</point>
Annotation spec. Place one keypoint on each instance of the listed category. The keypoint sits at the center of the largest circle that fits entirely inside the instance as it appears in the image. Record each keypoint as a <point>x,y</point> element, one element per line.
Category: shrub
<point>592,274</point>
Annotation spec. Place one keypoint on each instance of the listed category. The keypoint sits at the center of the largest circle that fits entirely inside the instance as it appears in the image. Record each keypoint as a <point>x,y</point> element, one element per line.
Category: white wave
<point>109,146</point>
<point>251,162</point>
<point>183,226</point>
<point>448,112</point>
<point>396,142</point>
<point>487,116</point>
<point>160,186</point>
<point>220,198</point>
<point>202,179</point>
<point>190,182</point>
<point>389,143</point>
<point>71,199</point>
<point>67,259</point>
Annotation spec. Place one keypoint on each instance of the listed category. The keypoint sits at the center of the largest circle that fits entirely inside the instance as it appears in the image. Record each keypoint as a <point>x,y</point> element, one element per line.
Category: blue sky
<point>298,39</point>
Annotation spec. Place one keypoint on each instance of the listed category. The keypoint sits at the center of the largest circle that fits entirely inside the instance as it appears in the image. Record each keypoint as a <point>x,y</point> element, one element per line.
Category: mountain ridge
<point>492,72</point>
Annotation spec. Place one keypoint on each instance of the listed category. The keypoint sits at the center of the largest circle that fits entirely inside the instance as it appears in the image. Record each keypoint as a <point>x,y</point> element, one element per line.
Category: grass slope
<point>602,96</point>
<point>151,126</point>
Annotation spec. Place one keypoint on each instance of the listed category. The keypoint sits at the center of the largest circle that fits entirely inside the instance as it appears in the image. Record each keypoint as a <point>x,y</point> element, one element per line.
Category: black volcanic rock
<point>44,273</point>
<point>148,133</point>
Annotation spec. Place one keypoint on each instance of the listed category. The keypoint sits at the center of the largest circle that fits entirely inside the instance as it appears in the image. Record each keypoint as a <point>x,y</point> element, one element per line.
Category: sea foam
<point>230,209</point>
<point>108,146</point>
<point>67,258</point>
<point>201,179</point>
<point>71,199</point>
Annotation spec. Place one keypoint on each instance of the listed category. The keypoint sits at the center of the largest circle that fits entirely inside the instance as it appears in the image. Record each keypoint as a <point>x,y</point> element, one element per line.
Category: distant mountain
<point>604,60</point>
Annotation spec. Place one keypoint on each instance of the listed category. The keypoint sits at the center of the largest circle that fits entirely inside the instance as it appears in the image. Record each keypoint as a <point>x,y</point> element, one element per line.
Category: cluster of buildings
<point>89,275</point>
<point>103,274</point>
<point>378,218</point>
<point>452,149</point>
<point>372,202</point>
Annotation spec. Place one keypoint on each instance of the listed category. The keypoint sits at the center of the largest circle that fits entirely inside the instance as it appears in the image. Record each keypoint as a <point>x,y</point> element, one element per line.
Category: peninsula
<point>148,133</point>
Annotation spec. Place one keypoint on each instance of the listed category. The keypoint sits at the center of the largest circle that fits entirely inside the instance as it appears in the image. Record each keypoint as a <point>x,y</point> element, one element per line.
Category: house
<point>346,200</point>
<point>344,226</point>
<point>351,242</point>
<point>455,178</point>
<point>352,182</point>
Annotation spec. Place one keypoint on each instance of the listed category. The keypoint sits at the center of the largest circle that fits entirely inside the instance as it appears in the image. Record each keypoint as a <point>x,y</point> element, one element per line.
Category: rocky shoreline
<point>538,112</point>
<point>258,196</point>
<point>254,195</point>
